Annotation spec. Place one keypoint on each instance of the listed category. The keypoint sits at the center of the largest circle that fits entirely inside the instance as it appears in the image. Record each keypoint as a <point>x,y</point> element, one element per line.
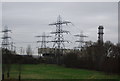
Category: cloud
<point>27,19</point>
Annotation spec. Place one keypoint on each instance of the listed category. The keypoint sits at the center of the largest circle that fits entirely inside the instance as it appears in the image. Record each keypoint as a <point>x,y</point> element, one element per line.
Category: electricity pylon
<point>6,45</point>
<point>5,41</point>
<point>43,42</point>
<point>59,39</point>
<point>81,40</point>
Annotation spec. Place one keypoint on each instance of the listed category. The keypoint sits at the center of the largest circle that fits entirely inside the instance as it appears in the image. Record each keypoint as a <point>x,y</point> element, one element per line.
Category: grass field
<point>47,71</point>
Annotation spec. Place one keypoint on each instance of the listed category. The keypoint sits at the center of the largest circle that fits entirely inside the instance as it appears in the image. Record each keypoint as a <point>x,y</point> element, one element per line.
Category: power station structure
<point>43,42</point>
<point>100,34</point>
<point>5,41</point>
<point>81,41</point>
<point>59,39</point>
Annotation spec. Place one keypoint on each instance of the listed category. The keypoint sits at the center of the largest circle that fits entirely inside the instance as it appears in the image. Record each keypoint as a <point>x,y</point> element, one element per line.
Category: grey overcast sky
<point>28,19</point>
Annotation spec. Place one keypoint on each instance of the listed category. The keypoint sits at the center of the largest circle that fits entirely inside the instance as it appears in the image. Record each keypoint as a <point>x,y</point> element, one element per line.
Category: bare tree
<point>29,50</point>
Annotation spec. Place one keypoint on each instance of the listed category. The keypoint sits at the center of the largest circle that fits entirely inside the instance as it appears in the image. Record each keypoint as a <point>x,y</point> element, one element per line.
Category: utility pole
<point>12,47</point>
<point>43,43</point>
<point>20,65</point>
<point>59,39</point>
<point>81,40</point>
<point>21,50</point>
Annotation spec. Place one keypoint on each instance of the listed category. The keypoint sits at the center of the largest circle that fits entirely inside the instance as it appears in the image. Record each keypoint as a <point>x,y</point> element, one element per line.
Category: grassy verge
<point>48,71</point>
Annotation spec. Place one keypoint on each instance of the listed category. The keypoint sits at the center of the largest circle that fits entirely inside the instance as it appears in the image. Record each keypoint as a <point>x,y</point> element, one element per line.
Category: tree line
<point>93,56</point>
<point>104,57</point>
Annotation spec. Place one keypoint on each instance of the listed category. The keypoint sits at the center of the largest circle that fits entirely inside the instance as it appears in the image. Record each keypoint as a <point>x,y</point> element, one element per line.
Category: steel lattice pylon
<point>59,39</point>
<point>5,41</point>
<point>43,42</point>
<point>81,40</point>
